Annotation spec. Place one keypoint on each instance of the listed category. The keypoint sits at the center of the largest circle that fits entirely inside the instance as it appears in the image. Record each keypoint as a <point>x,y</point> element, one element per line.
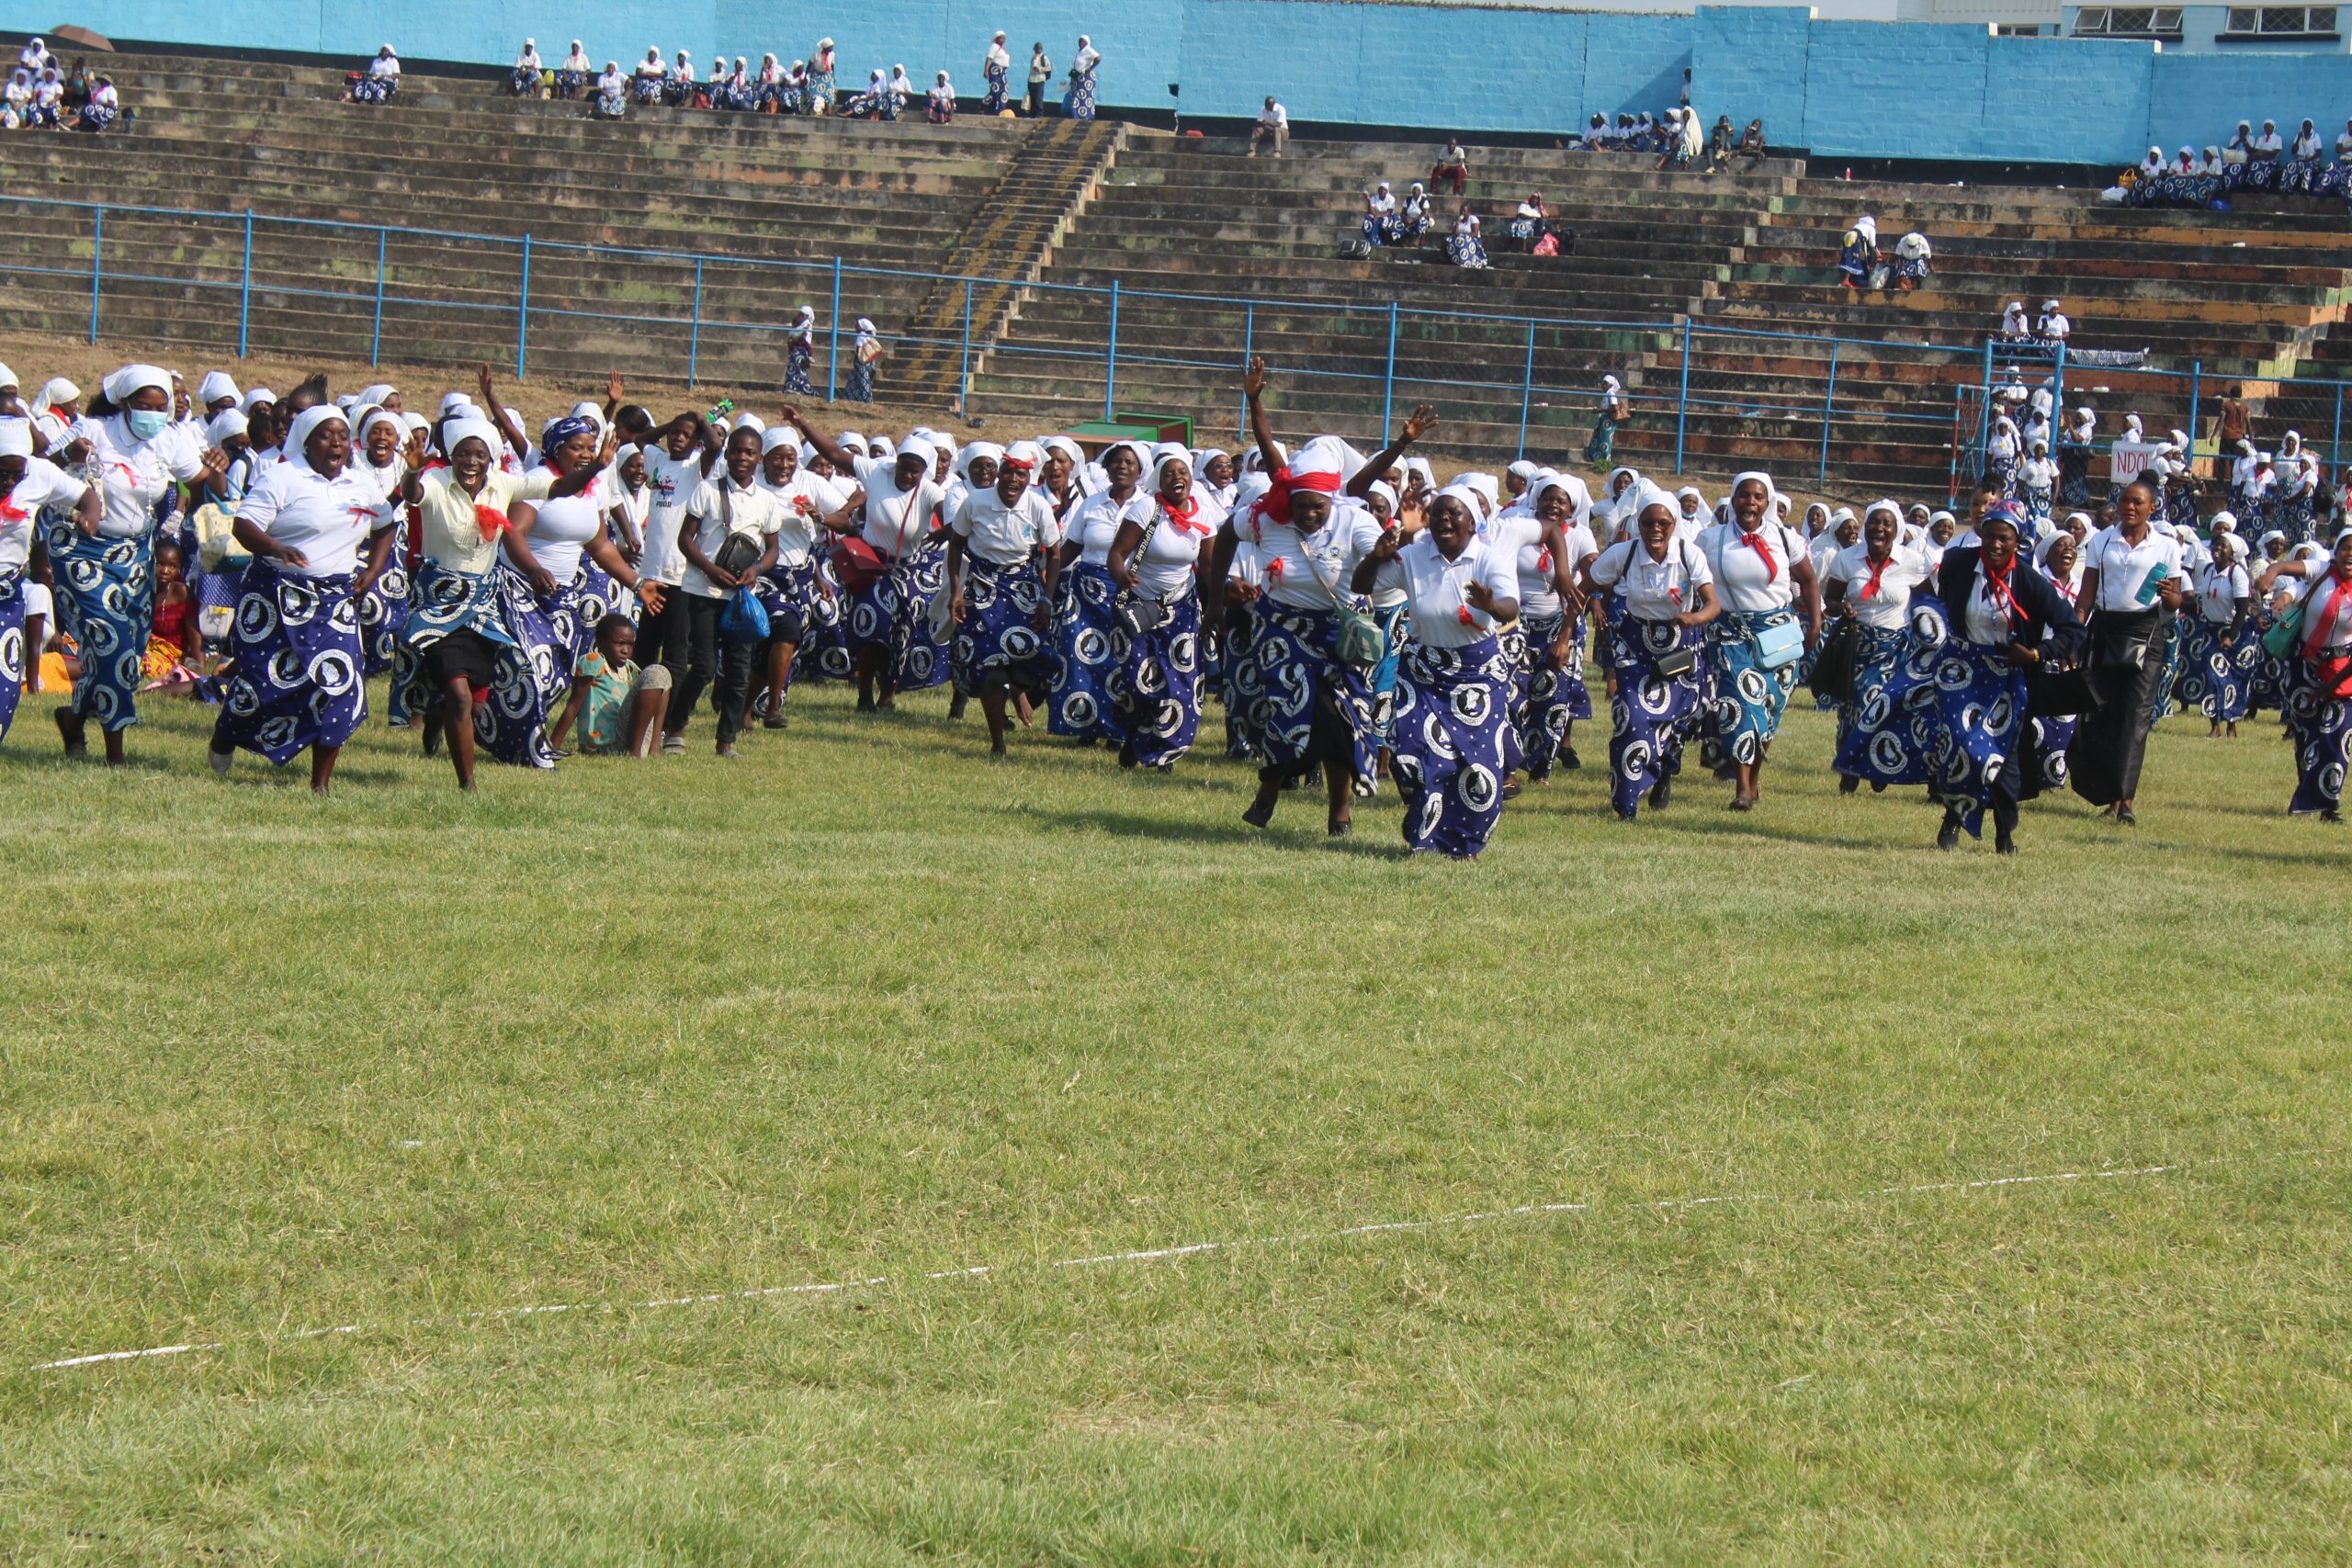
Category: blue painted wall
<point>1843,88</point>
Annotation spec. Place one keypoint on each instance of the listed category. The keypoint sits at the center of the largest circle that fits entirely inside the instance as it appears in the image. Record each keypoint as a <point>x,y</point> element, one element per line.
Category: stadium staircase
<point>745,193</point>
<point>1004,245</point>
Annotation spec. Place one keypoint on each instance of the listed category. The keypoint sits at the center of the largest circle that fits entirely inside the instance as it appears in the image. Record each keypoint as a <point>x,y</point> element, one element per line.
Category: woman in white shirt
<point>2220,651</point>
<point>1318,708</point>
<point>530,71</point>
<point>1085,627</point>
<point>1156,678</point>
<point>461,661</point>
<point>28,486</point>
<point>103,569</point>
<point>2131,586</point>
<point>890,593</point>
<point>380,81</point>
<point>300,680</point>
<point>1002,558</point>
<point>1547,546</point>
<point>2319,677</point>
<point>728,538</point>
<point>2303,167</point>
<point>996,70</point>
<point>1771,615</point>
<point>1660,594</point>
<point>1885,728</point>
<point>1453,685</point>
<point>793,591</point>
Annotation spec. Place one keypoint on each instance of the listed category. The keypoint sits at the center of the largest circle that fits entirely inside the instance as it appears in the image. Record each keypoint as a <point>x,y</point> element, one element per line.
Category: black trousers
<point>2103,762</point>
<point>662,636</point>
<point>709,654</point>
<point>1036,98</point>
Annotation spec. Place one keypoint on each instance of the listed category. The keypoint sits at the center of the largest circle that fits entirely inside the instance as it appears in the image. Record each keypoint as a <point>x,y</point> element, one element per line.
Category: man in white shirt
<point>676,458</point>
<point>1274,125</point>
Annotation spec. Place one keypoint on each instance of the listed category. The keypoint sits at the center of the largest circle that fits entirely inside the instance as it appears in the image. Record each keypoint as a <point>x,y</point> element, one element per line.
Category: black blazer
<point>2040,607</point>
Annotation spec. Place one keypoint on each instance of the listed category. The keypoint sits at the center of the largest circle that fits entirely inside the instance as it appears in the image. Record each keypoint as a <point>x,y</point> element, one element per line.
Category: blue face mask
<point>148,423</point>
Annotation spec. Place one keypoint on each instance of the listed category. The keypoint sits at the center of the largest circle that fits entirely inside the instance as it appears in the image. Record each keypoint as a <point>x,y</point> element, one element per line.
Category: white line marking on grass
<point>1194,1249</point>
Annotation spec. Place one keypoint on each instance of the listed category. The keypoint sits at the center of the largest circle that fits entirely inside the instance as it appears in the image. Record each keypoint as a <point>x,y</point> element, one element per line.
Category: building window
<point>2015,29</point>
<point>2280,22</point>
<point>2128,21</point>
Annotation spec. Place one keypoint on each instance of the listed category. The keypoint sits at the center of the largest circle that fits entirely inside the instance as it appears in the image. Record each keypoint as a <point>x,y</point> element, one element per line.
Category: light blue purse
<point>1779,645</point>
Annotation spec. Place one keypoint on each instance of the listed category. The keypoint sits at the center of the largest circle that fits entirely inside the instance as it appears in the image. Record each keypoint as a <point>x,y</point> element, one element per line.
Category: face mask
<point>148,423</point>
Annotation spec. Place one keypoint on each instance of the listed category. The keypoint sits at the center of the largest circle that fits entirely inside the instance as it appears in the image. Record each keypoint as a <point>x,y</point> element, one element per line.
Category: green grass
<point>861,1005</point>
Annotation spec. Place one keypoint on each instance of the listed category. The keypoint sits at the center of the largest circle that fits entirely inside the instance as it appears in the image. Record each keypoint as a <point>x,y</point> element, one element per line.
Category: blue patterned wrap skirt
<point>2320,728</point>
<point>1747,700</point>
<point>1651,717</point>
<point>999,632</point>
<point>106,601</point>
<point>1988,747</point>
<point>1313,708</point>
<point>1156,685</point>
<point>1886,735</point>
<point>300,677</point>
<point>1453,726</point>
<point>1085,632</point>
<point>15,657</point>
<point>2216,676</point>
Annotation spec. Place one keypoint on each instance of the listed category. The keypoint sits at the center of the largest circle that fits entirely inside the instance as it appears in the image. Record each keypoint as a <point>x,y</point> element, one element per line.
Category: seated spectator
<point>612,93</point>
<point>101,111</point>
<point>939,103</point>
<point>2014,326</point>
<point>1415,220</point>
<point>868,105</point>
<point>572,77</point>
<point>678,90</point>
<point>900,89</point>
<point>2301,172</point>
<point>48,99</point>
<point>1858,252</point>
<point>1597,135</point>
<point>1721,143</point>
<point>1274,125</point>
<point>17,100</point>
<point>34,58</point>
<point>530,71</point>
<point>1912,257</point>
<point>1527,224</point>
<point>735,90</point>
<point>79,85</point>
<point>1751,140</point>
<point>1381,226</point>
<point>1453,168</point>
<point>379,82</point>
<point>1467,249</point>
<point>2052,327</point>
<point>650,79</point>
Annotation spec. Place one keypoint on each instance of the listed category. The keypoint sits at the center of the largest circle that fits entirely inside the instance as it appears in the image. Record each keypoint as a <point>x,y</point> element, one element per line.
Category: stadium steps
<point>1005,243</point>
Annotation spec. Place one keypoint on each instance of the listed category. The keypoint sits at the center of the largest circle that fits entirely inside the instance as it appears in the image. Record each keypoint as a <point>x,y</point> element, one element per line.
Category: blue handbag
<point>745,619</point>
<point>1779,645</point>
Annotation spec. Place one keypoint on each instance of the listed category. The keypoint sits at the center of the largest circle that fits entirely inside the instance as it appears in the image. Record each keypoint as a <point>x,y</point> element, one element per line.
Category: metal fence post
<point>1526,388</point>
<point>964,376</point>
<point>1682,405</point>
<point>245,286</point>
<point>1110,355</point>
<point>523,316</point>
<point>376,336</point>
<point>1829,411</point>
<point>2196,393</point>
<point>1248,338</point>
<point>1388,377</point>
<point>694,332</point>
<point>2336,440</point>
<point>833,352</point>
<point>98,249</point>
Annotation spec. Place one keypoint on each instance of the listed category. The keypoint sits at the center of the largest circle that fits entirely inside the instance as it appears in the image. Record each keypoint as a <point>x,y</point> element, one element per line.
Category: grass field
<point>862,1007</point>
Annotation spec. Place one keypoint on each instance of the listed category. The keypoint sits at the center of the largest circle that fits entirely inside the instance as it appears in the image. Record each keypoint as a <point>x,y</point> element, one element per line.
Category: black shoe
<point>1340,827</point>
<point>1570,759</point>
<point>2126,818</point>
<point>1511,789</point>
<point>2004,841</point>
<point>1662,792</point>
<point>774,721</point>
<point>865,704</point>
<point>1126,754</point>
<point>1261,812</point>
<point>1948,836</point>
<point>2331,815</point>
<point>1848,784</point>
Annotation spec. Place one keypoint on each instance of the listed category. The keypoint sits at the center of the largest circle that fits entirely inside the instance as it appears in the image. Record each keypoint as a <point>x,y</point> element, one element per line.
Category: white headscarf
<point>215,385</point>
<point>471,426</point>
<point>123,384</point>
<point>55,390</point>
<point>306,424</point>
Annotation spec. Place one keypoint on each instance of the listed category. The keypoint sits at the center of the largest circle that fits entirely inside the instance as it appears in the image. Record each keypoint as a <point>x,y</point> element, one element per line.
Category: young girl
<point>619,706</point>
<point>174,643</point>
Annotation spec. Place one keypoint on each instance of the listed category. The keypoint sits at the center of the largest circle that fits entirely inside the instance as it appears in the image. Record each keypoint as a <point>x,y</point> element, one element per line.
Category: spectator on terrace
<point>1751,140</point>
<point>379,82</point>
<point>17,100</point>
<point>649,78</point>
<point>1041,71</point>
<point>1597,135</point>
<point>1601,447</point>
<point>2338,179</point>
<point>79,86</point>
<point>2052,327</point>
<point>739,91</point>
<point>866,104</point>
<point>996,66</point>
<point>1913,255</point>
<point>34,57</point>
<point>2301,172</point>
<point>865,357</point>
<point>1381,226</point>
<point>1467,249</point>
<point>1078,102</point>
<point>1721,143</point>
<point>1415,221</point>
<point>2236,417</point>
<point>1527,224</point>
<point>2260,170</point>
<point>939,103</point>
<point>530,71</point>
<point>1274,125</point>
<point>2014,326</point>
<point>820,78</point>
<point>902,91</point>
<point>1453,168</point>
<point>612,93</point>
<point>678,91</point>
<point>48,99</point>
<point>1858,252</point>
<point>102,109</point>
<point>1682,140</point>
<point>572,76</point>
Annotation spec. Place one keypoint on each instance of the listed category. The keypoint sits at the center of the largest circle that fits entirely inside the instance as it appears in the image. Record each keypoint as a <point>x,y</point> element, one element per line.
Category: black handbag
<point>1675,663</point>
<point>1137,615</point>
<point>1835,665</point>
<point>2060,694</point>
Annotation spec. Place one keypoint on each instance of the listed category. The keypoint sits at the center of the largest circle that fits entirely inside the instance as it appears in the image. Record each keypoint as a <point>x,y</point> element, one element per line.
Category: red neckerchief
<point>1183,517</point>
<point>9,510</point>
<point>1755,542</point>
<point>1878,571</point>
<point>1997,587</point>
<point>491,520</point>
<point>2314,637</point>
<point>1274,505</point>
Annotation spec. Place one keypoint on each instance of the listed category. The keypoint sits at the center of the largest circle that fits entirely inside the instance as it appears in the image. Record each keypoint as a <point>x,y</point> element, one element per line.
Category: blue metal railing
<point>1712,379</point>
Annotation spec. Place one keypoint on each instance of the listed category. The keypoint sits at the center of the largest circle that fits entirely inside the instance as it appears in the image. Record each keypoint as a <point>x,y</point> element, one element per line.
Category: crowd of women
<point>42,93</point>
<point>585,588</point>
<point>2250,161</point>
<point>812,85</point>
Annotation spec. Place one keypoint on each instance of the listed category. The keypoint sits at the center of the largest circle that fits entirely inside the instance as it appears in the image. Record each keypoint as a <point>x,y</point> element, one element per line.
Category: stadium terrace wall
<point>1842,89</point>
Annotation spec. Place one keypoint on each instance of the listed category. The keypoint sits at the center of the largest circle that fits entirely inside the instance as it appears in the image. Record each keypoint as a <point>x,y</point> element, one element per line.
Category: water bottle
<point>2157,575</point>
<point>720,410</point>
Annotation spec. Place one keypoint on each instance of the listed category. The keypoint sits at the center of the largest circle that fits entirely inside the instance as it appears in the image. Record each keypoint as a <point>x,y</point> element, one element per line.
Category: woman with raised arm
<point>300,680</point>
<point>1319,702</point>
<point>1452,692</point>
<point>1549,694</point>
<point>1661,594</point>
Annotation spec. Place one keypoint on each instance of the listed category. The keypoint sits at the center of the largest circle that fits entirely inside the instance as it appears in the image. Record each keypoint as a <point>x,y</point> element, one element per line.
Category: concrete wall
<point>1843,88</point>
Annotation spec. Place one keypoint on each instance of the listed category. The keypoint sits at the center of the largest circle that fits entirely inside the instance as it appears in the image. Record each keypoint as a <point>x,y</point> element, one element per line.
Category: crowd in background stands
<point>2251,161</point>
<point>1363,625</point>
<point>42,95</point>
<point>810,86</point>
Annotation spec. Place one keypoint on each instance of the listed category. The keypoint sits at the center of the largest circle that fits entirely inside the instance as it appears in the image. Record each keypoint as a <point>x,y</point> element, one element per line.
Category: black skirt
<point>2125,657</point>
<point>464,656</point>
